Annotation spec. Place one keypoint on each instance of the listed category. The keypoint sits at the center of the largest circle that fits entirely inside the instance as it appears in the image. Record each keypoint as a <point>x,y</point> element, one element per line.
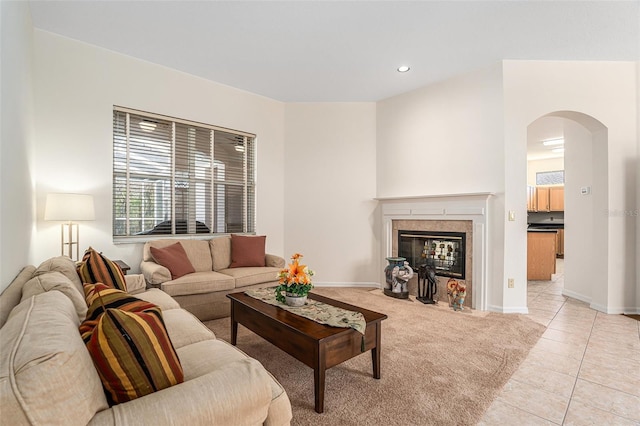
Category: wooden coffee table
<point>317,345</point>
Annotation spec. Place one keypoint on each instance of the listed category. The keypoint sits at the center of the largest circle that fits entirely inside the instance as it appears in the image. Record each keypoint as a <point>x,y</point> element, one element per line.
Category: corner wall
<point>330,186</point>
<point>16,116</point>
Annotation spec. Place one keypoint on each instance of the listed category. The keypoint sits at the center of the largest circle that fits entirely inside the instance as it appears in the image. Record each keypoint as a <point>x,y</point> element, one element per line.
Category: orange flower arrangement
<point>294,279</point>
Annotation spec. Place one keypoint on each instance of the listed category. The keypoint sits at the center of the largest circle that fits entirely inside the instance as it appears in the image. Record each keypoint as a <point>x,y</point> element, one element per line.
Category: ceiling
<point>341,51</point>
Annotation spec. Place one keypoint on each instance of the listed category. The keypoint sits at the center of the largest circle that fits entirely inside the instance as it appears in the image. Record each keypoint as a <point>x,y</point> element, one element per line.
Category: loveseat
<point>47,375</point>
<point>203,292</point>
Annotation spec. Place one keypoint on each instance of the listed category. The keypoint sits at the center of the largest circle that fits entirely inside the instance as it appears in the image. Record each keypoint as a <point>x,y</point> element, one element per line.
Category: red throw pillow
<point>174,258</point>
<point>247,250</point>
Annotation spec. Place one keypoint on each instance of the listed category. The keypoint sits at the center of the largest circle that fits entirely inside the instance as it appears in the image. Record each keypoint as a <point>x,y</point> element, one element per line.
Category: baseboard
<point>502,310</point>
<point>577,296</point>
<point>342,284</point>
<point>615,310</point>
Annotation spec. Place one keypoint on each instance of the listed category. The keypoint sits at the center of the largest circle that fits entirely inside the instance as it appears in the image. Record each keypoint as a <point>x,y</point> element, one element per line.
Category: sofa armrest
<point>274,261</point>
<point>135,283</point>
<point>237,393</point>
<point>154,274</point>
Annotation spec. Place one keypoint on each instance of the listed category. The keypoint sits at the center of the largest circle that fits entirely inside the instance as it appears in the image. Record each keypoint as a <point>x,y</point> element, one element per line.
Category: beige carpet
<point>439,367</point>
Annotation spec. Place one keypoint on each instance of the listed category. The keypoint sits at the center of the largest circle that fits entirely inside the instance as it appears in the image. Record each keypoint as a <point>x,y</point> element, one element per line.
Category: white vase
<point>295,300</point>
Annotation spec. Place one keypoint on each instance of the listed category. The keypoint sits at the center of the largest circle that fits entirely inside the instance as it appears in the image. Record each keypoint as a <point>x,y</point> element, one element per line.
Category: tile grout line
<point>580,367</point>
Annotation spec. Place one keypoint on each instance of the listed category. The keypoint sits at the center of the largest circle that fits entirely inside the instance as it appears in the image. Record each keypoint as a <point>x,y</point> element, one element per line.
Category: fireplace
<point>452,256</point>
<point>442,216</point>
<point>445,251</point>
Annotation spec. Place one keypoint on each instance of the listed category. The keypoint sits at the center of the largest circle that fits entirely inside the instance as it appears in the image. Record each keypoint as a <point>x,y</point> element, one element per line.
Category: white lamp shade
<point>69,207</point>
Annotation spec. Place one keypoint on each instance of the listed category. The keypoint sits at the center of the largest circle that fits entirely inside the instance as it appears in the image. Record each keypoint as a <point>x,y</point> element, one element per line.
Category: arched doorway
<point>585,207</point>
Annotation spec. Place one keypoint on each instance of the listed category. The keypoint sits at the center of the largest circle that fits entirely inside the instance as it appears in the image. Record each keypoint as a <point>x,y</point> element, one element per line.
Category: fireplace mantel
<point>418,197</point>
<point>467,206</point>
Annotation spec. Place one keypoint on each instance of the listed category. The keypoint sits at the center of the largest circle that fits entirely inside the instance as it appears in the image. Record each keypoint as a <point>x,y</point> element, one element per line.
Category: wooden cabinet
<point>541,255</point>
<point>542,198</point>
<point>532,204</point>
<point>556,198</point>
<point>545,198</point>
<point>560,243</point>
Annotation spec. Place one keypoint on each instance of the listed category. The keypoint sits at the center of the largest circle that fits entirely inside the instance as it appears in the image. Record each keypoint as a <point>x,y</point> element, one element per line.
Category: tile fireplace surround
<point>466,210</point>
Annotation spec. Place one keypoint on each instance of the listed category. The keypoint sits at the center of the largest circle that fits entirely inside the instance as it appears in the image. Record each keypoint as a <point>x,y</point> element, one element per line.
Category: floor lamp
<point>69,208</point>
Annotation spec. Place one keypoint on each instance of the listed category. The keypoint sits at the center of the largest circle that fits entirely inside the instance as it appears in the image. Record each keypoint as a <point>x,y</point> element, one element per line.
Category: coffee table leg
<point>318,381</point>
<point>234,327</point>
<point>375,353</point>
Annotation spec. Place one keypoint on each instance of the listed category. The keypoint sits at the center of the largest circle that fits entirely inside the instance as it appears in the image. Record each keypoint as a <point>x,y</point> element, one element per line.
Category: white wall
<point>545,165</point>
<point>330,185</point>
<point>607,92</point>
<point>580,265</point>
<point>448,138</point>
<point>16,115</point>
<point>76,87</point>
<point>637,210</point>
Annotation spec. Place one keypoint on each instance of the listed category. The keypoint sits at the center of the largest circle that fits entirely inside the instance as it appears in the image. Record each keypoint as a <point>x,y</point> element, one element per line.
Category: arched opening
<point>585,201</point>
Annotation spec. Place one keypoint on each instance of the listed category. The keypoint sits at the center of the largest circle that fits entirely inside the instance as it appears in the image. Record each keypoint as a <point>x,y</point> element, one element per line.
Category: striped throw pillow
<point>96,268</point>
<point>100,297</point>
<point>133,354</point>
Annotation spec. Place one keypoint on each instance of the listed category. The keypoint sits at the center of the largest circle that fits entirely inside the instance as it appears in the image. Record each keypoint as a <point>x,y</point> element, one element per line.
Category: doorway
<point>584,163</point>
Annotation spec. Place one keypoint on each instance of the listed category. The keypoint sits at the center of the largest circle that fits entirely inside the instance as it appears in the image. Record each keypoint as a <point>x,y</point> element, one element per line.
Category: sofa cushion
<point>64,265</point>
<point>198,282</point>
<point>220,252</point>
<point>159,298</point>
<point>11,295</point>
<point>55,281</point>
<point>184,328</point>
<point>247,250</point>
<point>250,276</point>
<point>174,258</point>
<point>133,354</point>
<point>196,365</point>
<point>46,373</point>
<point>97,268</point>
<point>135,283</point>
<point>197,251</point>
<point>236,394</point>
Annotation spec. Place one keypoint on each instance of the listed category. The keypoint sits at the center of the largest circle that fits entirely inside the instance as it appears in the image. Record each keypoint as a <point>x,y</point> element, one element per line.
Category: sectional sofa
<point>47,375</point>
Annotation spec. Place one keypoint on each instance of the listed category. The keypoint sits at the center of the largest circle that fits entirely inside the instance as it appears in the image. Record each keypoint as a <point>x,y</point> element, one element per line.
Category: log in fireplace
<point>445,251</point>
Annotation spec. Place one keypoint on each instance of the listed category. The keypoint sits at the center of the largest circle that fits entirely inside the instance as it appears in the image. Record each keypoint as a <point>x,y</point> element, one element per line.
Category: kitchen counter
<point>541,254</point>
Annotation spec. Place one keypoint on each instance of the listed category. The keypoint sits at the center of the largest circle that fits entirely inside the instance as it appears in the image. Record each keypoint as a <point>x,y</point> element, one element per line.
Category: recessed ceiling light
<point>557,150</point>
<point>554,141</point>
<point>403,68</point>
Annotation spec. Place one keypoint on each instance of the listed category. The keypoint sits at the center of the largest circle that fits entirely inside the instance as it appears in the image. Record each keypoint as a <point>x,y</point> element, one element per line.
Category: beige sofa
<point>47,375</point>
<point>203,293</point>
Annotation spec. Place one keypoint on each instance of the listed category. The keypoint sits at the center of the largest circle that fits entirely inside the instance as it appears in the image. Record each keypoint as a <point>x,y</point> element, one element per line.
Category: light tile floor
<point>585,370</point>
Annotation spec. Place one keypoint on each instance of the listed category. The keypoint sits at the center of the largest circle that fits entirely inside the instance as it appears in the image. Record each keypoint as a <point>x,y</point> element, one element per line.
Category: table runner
<point>314,310</point>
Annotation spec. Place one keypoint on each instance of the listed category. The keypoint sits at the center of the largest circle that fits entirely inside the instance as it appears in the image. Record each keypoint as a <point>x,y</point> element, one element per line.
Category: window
<point>550,178</point>
<point>172,176</point>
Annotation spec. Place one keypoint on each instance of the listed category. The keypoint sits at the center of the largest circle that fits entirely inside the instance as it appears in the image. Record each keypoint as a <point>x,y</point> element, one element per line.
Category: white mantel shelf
<point>420,197</point>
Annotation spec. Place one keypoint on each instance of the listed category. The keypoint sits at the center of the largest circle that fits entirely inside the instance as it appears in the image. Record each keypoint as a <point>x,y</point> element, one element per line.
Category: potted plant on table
<point>295,282</point>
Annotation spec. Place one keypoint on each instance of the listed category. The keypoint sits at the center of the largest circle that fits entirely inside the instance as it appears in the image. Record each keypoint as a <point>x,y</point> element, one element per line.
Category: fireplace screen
<point>443,250</point>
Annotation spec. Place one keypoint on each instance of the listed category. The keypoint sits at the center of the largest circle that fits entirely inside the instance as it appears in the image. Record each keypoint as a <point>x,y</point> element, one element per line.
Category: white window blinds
<point>172,176</point>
